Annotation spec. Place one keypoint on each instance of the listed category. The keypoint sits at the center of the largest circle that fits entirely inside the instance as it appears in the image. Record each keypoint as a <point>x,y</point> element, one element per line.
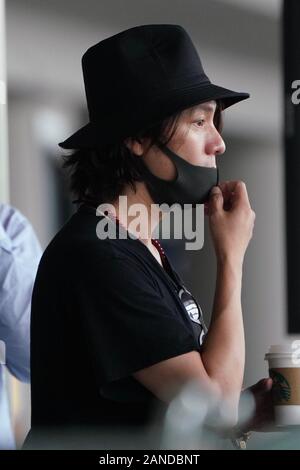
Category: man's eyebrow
<point>204,107</point>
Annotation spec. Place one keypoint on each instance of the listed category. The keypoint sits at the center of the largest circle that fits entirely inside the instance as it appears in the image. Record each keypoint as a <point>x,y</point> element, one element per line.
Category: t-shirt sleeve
<point>128,325</point>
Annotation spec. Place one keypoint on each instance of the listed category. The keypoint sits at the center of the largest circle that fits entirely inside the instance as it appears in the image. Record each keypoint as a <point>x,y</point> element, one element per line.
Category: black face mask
<point>192,184</point>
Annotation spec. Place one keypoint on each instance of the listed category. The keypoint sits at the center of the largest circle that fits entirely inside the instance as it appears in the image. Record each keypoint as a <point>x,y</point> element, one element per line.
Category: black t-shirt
<point>101,310</point>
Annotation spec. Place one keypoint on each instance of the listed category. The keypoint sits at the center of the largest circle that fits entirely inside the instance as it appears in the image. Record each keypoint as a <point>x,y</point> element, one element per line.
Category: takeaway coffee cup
<point>284,369</point>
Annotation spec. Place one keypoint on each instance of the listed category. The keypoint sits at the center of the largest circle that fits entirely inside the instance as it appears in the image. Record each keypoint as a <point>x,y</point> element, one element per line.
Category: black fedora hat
<point>139,77</point>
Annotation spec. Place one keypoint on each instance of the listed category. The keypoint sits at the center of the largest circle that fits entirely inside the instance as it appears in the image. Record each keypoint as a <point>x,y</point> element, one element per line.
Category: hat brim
<point>98,134</point>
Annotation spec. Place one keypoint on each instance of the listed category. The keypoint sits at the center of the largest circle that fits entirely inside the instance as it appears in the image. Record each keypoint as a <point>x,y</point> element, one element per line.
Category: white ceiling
<point>270,8</point>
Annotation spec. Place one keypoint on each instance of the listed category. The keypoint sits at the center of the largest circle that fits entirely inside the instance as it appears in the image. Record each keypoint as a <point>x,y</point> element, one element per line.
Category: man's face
<point>196,140</point>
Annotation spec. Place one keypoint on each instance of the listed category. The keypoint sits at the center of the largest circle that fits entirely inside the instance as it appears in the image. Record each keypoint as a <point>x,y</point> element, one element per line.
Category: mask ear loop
<point>172,155</point>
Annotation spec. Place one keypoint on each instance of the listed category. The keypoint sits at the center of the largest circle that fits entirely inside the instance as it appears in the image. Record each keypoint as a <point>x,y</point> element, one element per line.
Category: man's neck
<point>148,214</point>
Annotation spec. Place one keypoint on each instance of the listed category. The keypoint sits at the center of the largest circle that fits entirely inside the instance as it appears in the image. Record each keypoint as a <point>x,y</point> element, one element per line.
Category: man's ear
<point>134,145</point>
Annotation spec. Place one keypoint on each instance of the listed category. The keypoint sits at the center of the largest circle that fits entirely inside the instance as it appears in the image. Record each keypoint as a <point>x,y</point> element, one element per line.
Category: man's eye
<point>200,122</point>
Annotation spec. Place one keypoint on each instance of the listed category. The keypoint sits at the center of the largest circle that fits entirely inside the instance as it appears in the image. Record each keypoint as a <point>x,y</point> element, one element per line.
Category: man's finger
<point>229,189</point>
<point>228,186</point>
<point>263,385</point>
<point>268,383</point>
<point>215,200</point>
<point>240,193</point>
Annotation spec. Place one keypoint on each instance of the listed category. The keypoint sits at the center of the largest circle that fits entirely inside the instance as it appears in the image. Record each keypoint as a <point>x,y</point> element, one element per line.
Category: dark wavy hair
<point>100,175</point>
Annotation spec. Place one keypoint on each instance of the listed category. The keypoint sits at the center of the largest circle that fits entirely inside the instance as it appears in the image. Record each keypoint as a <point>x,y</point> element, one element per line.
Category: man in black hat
<point>115,331</point>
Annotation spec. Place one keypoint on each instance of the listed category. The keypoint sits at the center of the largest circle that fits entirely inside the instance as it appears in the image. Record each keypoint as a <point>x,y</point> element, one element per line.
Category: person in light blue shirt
<point>20,254</point>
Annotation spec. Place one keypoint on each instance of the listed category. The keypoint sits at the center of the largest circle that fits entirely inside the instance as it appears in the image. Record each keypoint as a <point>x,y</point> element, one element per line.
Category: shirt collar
<point>5,241</point>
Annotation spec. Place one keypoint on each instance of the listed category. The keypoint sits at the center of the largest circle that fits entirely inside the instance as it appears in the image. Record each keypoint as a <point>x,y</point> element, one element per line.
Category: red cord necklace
<point>154,241</point>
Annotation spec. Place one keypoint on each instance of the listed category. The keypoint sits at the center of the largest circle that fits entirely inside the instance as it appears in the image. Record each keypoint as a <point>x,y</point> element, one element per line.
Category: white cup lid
<point>285,348</point>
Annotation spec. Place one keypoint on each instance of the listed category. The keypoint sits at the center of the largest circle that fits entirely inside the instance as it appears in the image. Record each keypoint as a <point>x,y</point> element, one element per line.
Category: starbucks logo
<point>281,388</point>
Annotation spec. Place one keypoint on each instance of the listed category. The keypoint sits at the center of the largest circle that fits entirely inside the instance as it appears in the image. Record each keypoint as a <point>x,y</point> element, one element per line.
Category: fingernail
<point>215,190</point>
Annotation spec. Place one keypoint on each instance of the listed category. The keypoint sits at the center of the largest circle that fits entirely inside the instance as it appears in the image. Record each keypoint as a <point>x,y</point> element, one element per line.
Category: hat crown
<point>138,78</point>
<point>136,66</point>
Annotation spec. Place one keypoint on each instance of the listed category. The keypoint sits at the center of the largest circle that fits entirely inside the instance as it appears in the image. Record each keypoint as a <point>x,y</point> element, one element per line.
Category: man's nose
<point>220,146</point>
<point>216,145</point>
